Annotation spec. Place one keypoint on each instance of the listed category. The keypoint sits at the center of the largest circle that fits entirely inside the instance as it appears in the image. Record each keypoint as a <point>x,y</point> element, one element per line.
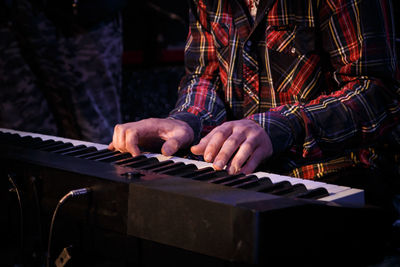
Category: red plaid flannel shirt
<point>320,77</point>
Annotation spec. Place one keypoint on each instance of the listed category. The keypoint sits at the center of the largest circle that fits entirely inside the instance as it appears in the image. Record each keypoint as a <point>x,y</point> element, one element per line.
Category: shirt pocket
<point>291,40</point>
<point>289,48</point>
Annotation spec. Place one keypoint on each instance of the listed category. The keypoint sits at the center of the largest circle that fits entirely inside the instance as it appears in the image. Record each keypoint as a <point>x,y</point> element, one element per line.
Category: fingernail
<point>207,157</point>
<point>219,165</point>
<point>167,151</point>
<point>231,170</point>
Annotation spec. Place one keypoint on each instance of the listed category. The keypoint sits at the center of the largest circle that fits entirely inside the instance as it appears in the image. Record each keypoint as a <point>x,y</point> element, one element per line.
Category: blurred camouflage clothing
<point>59,83</point>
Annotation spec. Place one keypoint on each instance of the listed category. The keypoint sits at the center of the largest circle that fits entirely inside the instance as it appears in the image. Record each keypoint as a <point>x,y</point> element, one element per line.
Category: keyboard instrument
<point>187,204</point>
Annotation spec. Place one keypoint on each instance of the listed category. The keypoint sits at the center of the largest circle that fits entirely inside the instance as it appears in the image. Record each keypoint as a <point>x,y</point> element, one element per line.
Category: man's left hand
<point>240,145</point>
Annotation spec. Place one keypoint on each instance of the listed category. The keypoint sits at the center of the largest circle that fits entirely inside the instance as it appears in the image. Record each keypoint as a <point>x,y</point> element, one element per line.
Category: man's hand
<point>241,145</point>
<point>129,137</point>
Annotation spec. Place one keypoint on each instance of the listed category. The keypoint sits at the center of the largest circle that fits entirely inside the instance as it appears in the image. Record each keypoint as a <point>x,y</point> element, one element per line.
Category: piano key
<point>156,165</point>
<point>33,141</point>
<point>254,183</point>
<point>103,155</point>
<point>314,193</point>
<point>184,172</point>
<point>198,172</point>
<point>241,180</point>
<point>116,157</point>
<point>140,162</point>
<point>79,151</point>
<point>10,138</point>
<point>44,144</point>
<point>68,149</point>
<point>268,188</point>
<point>276,187</point>
<point>130,160</point>
<point>94,153</point>
<point>310,184</point>
<point>178,170</point>
<point>210,175</point>
<point>167,167</point>
<point>294,190</point>
<point>28,141</point>
<point>57,147</point>
<point>226,178</point>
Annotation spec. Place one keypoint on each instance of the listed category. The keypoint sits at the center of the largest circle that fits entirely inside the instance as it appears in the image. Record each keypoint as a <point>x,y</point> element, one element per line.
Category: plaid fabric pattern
<point>321,78</point>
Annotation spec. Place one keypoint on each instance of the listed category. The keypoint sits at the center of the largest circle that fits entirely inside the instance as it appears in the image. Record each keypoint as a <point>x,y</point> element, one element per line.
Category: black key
<point>180,170</point>
<point>33,142</point>
<point>52,145</point>
<point>69,149</point>
<point>295,190</point>
<point>198,172</point>
<point>93,153</point>
<point>15,139</point>
<point>156,165</point>
<point>57,147</point>
<point>253,185</point>
<point>291,191</point>
<point>226,178</point>
<point>130,160</point>
<point>141,162</point>
<point>103,155</point>
<point>184,172</point>
<point>241,180</point>
<point>167,167</point>
<point>210,175</point>
<point>276,187</point>
<point>44,144</point>
<point>114,158</point>
<point>28,141</point>
<point>80,151</point>
<point>315,193</point>
<point>263,183</point>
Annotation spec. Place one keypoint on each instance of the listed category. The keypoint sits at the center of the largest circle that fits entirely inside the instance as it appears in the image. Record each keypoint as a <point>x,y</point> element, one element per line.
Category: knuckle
<point>212,146</point>
<point>130,132</point>
<point>117,127</point>
<point>249,145</point>
<point>233,142</point>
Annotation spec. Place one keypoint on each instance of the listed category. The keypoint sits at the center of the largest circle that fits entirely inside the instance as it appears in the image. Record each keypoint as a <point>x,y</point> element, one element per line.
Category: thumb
<point>170,147</point>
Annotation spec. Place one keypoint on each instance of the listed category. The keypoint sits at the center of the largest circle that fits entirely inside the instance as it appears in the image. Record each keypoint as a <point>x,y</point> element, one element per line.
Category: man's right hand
<point>130,136</point>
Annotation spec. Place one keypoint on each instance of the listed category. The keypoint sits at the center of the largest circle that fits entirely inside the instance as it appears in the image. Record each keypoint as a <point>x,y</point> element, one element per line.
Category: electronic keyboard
<point>187,204</point>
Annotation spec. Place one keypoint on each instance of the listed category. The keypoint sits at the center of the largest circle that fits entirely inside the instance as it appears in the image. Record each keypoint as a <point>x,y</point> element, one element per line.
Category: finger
<point>254,161</point>
<point>131,142</point>
<point>215,144</point>
<point>201,146</point>
<point>170,147</point>
<point>229,147</point>
<point>246,149</point>
<point>111,146</point>
<point>119,138</point>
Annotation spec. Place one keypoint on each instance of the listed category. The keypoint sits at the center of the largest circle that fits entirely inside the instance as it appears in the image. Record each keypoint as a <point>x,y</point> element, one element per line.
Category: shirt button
<point>293,50</point>
<point>247,46</point>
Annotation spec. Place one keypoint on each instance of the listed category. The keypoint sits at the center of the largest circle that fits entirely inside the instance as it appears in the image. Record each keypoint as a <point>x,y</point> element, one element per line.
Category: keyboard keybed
<point>197,170</point>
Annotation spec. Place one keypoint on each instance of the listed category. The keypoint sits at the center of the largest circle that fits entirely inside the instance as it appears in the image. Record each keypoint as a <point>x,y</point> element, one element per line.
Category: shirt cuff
<point>193,121</point>
<point>280,129</point>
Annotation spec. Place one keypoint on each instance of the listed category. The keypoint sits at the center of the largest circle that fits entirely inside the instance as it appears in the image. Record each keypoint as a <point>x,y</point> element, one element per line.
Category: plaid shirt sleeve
<point>198,102</point>
<point>359,38</point>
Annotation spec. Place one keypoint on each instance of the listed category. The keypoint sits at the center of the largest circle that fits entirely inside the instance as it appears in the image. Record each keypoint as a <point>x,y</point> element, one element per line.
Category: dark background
<point>154,39</point>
